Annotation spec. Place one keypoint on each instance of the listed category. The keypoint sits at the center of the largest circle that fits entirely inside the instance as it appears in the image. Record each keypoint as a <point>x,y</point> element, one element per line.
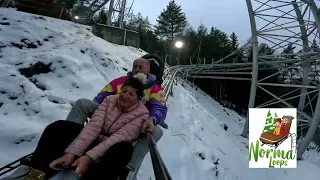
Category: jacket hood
<point>150,78</point>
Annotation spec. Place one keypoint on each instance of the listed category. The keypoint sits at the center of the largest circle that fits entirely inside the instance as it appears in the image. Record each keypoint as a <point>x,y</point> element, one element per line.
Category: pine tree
<point>234,44</point>
<point>171,21</point>
<point>269,114</point>
<point>103,17</point>
<point>234,41</point>
<point>315,48</point>
<point>67,3</point>
<point>202,31</point>
<point>138,23</point>
<point>269,124</point>
<point>289,50</point>
<point>265,49</point>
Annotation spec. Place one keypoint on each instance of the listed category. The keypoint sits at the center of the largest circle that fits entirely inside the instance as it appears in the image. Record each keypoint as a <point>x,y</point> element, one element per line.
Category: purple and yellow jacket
<point>154,98</point>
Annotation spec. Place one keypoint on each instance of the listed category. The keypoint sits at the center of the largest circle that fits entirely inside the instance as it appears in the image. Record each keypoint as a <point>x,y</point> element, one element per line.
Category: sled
<point>273,140</point>
<point>20,167</point>
<point>22,172</point>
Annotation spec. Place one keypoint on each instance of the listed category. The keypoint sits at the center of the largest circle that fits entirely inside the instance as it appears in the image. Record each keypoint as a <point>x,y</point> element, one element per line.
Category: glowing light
<point>179,44</point>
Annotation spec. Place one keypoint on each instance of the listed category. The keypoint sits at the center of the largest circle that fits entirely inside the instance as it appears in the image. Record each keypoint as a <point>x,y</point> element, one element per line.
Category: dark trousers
<point>56,138</point>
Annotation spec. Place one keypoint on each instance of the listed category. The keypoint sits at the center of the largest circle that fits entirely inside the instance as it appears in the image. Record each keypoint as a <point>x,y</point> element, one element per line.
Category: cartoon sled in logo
<point>278,135</point>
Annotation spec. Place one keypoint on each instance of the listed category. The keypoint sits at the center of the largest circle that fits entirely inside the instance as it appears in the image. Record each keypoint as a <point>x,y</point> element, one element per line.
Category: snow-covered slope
<point>77,65</point>
<point>196,139</point>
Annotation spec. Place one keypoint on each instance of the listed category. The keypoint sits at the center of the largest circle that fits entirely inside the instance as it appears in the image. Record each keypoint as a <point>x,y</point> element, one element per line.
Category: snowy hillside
<point>202,141</point>
<point>75,64</point>
<point>197,138</point>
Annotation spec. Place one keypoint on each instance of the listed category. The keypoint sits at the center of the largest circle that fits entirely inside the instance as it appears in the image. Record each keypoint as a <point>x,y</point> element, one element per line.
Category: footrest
<point>26,161</point>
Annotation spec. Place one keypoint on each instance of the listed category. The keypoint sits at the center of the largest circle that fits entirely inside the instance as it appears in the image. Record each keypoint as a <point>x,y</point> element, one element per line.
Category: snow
<point>74,74</point>
<point>80,65</point>
<point>199,129</point>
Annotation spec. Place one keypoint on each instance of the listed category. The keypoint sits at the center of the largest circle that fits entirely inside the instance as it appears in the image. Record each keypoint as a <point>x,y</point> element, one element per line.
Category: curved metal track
<point>278,24</point>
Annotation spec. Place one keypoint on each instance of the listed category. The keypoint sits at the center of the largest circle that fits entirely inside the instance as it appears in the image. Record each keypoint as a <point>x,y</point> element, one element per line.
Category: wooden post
<point>6,3</point>
<point>125,37</point>
<point>61,12</point>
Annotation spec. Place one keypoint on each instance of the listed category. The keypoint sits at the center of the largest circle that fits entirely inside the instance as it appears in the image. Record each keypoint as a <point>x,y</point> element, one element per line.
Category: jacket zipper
<point>110,127</point>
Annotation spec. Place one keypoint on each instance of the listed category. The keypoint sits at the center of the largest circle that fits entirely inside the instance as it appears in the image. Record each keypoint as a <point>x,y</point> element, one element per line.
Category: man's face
<point>141,65</point>
<point>286,121</point>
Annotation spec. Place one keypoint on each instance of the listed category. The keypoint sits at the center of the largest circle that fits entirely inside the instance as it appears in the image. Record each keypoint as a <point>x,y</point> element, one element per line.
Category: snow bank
<point>202,141</point>
<point>197,146</point>
<point>70,62</point>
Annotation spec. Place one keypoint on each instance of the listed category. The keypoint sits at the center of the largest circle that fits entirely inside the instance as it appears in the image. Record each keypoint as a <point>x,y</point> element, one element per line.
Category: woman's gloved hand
<point>66,159</point>
<point>82,164</point>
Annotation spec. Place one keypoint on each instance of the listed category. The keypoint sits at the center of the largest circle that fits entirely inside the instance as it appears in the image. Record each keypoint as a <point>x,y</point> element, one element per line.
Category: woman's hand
<point>82,164</point>
<point>148,125</point>
<point>66,159</point>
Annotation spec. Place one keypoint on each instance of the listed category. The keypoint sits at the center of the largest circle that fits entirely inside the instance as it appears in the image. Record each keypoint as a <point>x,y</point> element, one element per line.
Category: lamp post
<point>178,45</point>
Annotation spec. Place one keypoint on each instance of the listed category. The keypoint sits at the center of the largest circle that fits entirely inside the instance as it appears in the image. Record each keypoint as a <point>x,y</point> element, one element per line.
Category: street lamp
<point>76,17</point>
<point>179,44</point>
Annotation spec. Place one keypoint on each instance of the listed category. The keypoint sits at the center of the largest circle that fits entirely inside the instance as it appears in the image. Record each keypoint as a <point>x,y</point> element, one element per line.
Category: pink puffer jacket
<point>122,124</point>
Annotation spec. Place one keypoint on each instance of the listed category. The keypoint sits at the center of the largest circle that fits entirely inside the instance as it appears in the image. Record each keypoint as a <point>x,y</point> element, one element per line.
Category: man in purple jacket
<point>154,100</point>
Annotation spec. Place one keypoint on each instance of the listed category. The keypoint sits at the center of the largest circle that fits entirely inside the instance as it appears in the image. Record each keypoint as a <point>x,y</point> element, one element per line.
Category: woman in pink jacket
<point>102,148</point>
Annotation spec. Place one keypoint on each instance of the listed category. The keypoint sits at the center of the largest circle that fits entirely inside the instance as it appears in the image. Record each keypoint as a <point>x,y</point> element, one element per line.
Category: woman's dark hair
<point>136,84</point>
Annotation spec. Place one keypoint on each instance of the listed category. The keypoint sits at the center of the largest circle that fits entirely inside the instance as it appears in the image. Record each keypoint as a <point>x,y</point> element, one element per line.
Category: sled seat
<point>270,138</point>
<point>140,151</point>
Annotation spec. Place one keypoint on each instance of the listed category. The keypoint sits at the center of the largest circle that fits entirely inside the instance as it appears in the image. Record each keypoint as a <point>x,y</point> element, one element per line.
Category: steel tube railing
<point>159,168</point>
